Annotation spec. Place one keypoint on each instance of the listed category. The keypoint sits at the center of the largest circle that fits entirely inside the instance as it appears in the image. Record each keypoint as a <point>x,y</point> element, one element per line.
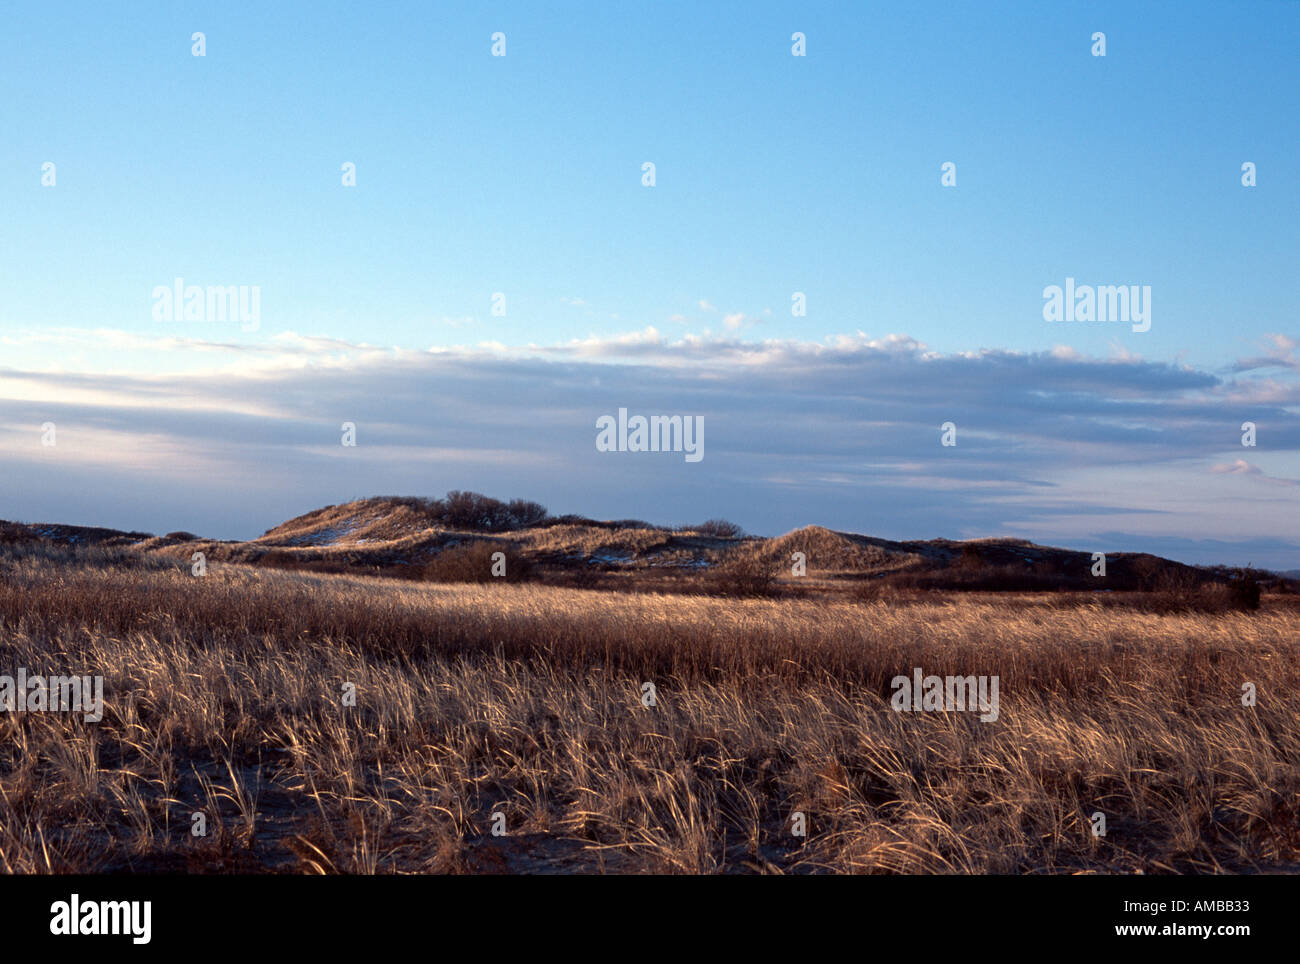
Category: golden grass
<point>224,696</point>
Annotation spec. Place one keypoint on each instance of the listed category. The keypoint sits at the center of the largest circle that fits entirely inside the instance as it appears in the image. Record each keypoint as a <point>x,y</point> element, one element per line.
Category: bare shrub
<point>743,575</point>
<point>720,528</point>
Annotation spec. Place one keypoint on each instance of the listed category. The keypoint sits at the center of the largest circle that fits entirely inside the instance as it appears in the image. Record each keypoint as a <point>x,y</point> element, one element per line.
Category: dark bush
<point>743,576</point>
<point>482,513</point>
<point>1179,589</point>
<point>1149,574</point>
<point>569,519</point>
<point>1243,589</point>
<point>472,562</point>
<point>720,528</point>
<point>522,512</point>
<point>15,533</point>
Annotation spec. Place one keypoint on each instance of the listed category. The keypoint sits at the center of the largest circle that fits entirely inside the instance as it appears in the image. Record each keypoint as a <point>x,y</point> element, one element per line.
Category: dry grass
<point>224,695</point>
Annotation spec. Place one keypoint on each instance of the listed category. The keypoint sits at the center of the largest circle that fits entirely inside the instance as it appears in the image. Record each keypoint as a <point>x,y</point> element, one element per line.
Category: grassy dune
<point>224,696</point>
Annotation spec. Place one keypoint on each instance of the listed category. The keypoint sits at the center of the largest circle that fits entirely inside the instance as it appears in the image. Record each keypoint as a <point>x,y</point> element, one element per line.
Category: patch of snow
<point>326,537</point>
<point>609,558</point>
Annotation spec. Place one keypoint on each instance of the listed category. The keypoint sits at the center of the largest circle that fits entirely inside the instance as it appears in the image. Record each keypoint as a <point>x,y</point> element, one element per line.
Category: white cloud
<point>831,431</point>
<point>1236,467</point>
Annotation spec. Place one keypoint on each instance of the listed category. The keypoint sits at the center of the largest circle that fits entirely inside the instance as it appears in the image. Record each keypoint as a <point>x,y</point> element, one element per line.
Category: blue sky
<point>775,174</point>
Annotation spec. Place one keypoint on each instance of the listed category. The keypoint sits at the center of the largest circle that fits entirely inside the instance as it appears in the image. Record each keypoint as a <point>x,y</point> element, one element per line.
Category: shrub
<point>522,512</point>
<point>720,528</point>
<point>1178,590</point>
<point>1183,593</point>
<point>13,533</point>
<point>472,562</point>
<point>969,560</point>
<point>1243,589</point>
<point>1147,572</point>
<point>743,576</point>
<point>482,513</point>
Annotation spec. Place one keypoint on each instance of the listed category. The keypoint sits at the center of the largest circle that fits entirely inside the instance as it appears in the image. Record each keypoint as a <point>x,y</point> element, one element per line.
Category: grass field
<point>225,696</point>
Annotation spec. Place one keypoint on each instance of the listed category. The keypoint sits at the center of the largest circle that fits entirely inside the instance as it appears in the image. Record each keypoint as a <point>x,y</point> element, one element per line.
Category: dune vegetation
<point>325,722</point>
